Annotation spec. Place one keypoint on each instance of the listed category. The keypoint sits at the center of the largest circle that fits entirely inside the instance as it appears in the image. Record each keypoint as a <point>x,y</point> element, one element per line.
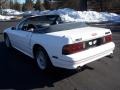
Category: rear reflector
<point>73,48</point>
<point>108,38</point>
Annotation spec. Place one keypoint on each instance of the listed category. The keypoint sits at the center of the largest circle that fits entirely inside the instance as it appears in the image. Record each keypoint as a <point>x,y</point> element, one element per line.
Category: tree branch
<point>2,2</point>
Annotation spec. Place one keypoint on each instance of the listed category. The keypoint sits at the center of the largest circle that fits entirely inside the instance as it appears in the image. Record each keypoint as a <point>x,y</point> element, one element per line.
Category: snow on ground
<point>4,18</point>
<point>69,15</point>
<point>11,12</point>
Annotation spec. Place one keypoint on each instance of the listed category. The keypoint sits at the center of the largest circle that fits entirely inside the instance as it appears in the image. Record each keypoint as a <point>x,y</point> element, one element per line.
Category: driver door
<point>22,38</point>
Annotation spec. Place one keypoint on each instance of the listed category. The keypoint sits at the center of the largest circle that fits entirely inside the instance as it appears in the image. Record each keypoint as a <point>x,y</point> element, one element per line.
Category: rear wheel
<point>7,42</point>
<point>43,60</point>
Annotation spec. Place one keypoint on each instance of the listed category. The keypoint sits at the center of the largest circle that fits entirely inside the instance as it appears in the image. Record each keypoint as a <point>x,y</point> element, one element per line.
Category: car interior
<point>39,22</point>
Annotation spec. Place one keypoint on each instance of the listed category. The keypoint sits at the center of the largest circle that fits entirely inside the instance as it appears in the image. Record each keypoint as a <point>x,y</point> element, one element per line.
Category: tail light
<point>107,38</point>
<point>73,48</point>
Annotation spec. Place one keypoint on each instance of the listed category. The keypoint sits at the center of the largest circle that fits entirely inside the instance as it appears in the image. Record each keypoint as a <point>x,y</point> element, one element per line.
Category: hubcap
<point>41,61</point>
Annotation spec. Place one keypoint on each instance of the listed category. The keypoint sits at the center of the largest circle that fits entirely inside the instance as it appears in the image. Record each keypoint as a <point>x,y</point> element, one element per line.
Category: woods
<point>43,4</point>
<point>82,5</point>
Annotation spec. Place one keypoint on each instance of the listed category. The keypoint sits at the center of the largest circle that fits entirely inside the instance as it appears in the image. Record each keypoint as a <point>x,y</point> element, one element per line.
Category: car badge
<point>94,34</point>
<point>79,39</point>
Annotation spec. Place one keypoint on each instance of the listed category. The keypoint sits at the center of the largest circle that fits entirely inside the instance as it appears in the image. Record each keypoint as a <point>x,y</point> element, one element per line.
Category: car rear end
<point>78,56</point>
<point>88,45</point>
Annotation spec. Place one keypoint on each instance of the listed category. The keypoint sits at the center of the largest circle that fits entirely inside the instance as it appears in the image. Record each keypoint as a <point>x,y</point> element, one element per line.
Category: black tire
<point>7,41</point>
<point>111,55</point>
<point>43,60</point>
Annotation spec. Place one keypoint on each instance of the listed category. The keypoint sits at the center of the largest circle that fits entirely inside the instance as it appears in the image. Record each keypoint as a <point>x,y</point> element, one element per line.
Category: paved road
<point>18,71</point>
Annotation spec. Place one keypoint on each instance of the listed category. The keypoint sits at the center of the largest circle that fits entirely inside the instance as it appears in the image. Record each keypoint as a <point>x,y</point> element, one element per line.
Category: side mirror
<point>13,28</point>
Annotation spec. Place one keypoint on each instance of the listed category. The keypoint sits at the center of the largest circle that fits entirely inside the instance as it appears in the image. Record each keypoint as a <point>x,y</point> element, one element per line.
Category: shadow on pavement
<point>17,71</point>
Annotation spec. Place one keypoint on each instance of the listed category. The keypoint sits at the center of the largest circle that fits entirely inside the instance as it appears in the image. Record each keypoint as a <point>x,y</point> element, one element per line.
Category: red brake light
<point>108,38</point>
<point>73,48</point>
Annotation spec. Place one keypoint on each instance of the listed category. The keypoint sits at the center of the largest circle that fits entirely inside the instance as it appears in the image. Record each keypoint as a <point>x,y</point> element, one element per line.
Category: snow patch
<point>11,12</point>
<point>69,15</point>
<point>2,18</point>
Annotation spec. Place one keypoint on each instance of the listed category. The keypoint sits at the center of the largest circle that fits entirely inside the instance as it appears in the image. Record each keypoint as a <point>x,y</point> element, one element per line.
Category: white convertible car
<point>52,42</point>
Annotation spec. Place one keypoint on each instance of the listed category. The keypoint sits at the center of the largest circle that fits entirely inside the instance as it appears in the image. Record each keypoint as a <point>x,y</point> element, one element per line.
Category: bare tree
<point>16,5</point>
<point>2,2</point>
<point>39,5</point>
<point>28,4</point>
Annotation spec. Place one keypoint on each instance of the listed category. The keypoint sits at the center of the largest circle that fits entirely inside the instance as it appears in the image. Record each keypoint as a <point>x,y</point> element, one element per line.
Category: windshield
<point>49,23</point>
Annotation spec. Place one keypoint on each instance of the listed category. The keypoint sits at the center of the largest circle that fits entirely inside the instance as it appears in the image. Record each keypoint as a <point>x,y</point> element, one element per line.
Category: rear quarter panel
<point>52,44</point>
<point>8,31</point>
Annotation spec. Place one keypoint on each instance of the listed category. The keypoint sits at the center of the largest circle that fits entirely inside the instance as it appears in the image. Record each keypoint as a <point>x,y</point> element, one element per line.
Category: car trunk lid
<point>83,34</point>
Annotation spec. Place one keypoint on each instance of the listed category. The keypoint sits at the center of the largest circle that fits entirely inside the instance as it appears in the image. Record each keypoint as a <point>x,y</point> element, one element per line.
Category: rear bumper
<point>73,61</point>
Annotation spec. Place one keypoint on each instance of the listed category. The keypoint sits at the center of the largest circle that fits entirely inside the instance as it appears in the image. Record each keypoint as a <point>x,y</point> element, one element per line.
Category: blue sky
<point>21,1</point>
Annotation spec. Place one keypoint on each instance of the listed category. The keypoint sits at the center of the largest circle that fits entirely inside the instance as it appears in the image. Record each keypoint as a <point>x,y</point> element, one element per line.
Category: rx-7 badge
<point>94,34</point>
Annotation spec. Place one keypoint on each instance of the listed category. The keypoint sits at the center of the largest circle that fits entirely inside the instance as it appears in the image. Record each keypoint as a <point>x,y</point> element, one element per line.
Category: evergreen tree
<point>11,4</point>
<point>100,2</point>
<point>23,7</point>
<point>39,5</point>
<point>83,5</point>
<point>46,4</point>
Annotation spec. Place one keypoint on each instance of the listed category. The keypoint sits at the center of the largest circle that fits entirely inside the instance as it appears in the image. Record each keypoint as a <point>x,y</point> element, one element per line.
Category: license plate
<point>93,43</point>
